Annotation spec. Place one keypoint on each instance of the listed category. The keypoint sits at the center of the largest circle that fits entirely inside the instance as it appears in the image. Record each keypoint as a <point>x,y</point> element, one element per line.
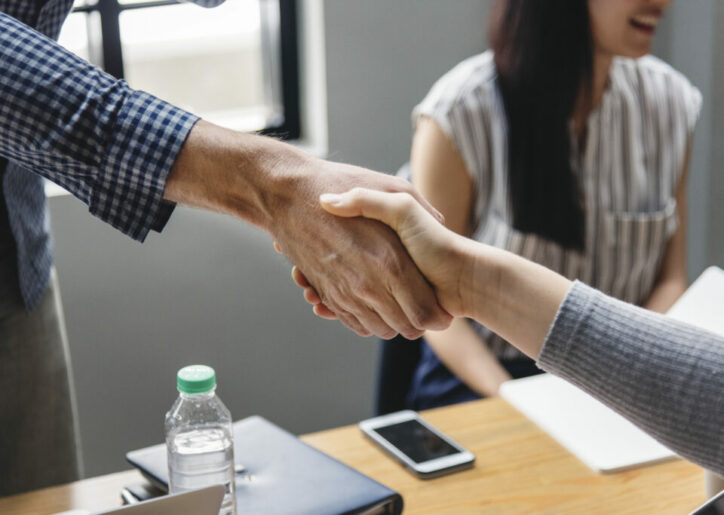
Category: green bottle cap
<point>196,379</point>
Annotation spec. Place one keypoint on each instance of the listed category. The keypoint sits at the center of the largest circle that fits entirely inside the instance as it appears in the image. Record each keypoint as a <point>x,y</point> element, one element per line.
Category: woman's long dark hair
<point>544,59</point>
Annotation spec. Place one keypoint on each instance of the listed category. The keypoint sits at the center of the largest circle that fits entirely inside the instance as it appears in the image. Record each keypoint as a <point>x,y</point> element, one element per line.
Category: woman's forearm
<point>462,351</point>
<point>661,374</point>
<point>515,298</point>
<point>672,280</point>
<point>665,294</point>
<point>658,373</point>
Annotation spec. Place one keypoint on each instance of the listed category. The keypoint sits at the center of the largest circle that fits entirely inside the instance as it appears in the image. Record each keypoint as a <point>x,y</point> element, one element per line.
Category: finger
<point>370,323</point>
<point>278,248</point>
<point>418,301</point>
<point>311,296</point>
<point>389,310</point>
<point>300,278</point>
<point>365,201</point>
<point>352,323</point>
<point>323,311</point>
<point>388,208</point>
<point>374,323</point>
<point>426,205</point>
<point>358,306</point>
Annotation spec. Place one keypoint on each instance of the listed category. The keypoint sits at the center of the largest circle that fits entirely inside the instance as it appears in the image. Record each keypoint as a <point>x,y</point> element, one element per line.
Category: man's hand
<point>358,268</point>
<point>438,252</point>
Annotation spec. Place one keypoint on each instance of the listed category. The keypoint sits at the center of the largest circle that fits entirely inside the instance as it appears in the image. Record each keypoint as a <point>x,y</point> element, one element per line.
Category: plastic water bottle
<point>199,439</point>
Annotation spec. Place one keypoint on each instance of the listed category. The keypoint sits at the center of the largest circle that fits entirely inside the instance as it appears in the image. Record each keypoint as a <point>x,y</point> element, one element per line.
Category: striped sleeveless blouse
<point>629,171</point>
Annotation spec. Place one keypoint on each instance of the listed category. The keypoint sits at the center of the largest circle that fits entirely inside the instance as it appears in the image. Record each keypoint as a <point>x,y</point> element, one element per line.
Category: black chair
<point>397,361</point>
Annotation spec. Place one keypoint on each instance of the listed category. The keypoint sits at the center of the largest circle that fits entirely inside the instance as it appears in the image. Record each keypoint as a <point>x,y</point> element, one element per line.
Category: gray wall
<point>691,40</point>
<point>716,191</point>
<point>382,58</point>
<point>210,289</point>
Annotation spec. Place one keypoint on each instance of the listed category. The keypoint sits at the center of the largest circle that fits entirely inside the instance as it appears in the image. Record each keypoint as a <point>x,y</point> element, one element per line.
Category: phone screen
<point>416,441</point>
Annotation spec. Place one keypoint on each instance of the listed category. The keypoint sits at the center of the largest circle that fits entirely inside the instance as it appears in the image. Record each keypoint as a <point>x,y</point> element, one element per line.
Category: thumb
<point>388,208</point>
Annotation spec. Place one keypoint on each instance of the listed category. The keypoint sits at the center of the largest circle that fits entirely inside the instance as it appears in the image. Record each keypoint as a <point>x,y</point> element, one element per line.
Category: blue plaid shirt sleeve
<point>109,145</point>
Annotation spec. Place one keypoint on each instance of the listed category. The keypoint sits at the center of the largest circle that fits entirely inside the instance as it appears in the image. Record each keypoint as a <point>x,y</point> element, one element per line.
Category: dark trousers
<point>434,385</point>
<point>39,440</point>
<point>410,376</point>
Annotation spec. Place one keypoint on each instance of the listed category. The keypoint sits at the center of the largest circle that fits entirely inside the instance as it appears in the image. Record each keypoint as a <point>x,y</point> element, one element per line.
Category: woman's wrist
<point>515,298</point>
<point>480,274</point>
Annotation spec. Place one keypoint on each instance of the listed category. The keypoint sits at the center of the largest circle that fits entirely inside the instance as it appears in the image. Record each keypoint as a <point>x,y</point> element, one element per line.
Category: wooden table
<point>519,469</point>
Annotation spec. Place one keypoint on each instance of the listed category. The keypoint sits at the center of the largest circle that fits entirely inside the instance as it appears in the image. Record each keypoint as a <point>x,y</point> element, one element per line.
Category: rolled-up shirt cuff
<point>146,139</point>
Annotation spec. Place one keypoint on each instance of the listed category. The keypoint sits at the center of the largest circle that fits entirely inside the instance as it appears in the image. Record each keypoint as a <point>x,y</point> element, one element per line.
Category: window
<point>234,65</point>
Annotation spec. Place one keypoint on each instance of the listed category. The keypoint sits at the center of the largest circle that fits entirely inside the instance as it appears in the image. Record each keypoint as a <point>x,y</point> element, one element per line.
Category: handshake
<point>438,253</point>
<point>368,249</point>
<point>470,279</point>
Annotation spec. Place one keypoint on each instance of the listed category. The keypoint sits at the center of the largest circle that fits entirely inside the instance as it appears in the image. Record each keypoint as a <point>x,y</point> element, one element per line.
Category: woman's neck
<point>590,100</point>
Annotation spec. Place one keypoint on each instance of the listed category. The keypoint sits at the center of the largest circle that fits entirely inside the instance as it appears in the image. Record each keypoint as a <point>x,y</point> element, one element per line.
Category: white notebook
<point>599,437</point>
<point>702,304</point>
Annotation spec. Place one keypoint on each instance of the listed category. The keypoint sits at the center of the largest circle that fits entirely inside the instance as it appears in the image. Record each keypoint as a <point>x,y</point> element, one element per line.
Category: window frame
<point>289,126</point>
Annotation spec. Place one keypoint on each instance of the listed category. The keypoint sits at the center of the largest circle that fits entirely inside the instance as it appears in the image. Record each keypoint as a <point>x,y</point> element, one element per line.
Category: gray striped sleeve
<point>665,376</point>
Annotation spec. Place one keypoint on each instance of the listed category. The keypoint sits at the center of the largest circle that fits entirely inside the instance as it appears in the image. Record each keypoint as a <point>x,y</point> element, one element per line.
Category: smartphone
<point>714,506</point>
<point>417,445</point>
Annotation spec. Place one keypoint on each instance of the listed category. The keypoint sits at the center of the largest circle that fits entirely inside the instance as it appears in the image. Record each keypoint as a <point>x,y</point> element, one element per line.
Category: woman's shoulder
<point>477,70</point>
<point>650,69</point>
<point>473,77</point>
<point>653,80</point>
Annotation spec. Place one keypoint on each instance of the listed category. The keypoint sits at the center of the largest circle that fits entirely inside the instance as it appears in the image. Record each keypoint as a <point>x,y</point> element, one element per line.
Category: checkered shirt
<point>67,121</point>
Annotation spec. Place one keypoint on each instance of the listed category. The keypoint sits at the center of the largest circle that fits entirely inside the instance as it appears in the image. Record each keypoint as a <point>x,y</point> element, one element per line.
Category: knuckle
<point>423,316</point>
<point>369,293</point>
<point>390,261</point>
<point>409,332</point>
<point>408,202</point>
<point>349,322</point>
<point>387,335</point>
<point>331,298</point>
<point>333,306</point>
<point>402,185</point>
<point>355,325</point>
<point>356,192</point>
<point>413,334</point>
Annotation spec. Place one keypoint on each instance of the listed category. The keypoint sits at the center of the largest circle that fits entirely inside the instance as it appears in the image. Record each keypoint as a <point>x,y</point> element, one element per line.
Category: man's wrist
<point>244,175</point>
<point>264,176</point>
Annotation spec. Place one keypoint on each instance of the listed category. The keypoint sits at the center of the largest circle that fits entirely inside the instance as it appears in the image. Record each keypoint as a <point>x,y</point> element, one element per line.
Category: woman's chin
<point>637,49</point>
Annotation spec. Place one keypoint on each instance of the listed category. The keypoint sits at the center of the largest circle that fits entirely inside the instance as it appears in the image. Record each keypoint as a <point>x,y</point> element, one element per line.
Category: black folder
<point>283,475</point>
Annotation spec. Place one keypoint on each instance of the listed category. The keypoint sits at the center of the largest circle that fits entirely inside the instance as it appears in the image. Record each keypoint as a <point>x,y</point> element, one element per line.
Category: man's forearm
<point>358,267</point>
<point>240,174</point>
